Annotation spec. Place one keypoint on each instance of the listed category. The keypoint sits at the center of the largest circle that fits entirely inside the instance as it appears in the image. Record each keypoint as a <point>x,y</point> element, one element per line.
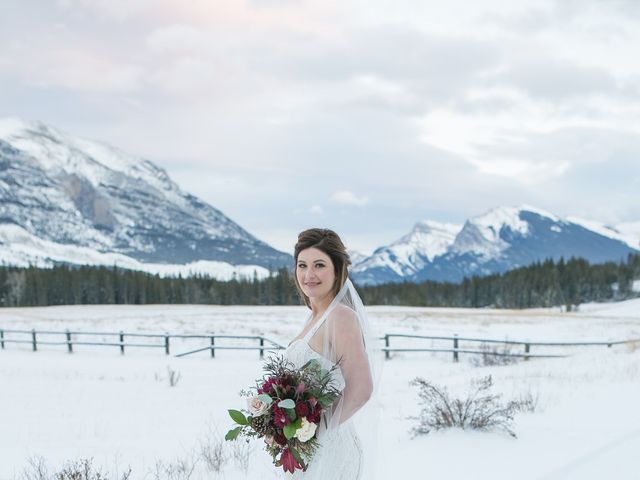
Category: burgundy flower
<point>279,437</point>
<point>314,416</point>
<point>267,386</point>
<point>280,418</point>
<point>286,380</point>
<point>289,462</point>
<point>300,388</point>
<point>302,409</point>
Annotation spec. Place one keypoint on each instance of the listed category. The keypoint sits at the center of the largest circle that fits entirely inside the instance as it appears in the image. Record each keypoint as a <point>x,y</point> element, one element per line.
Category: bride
<point>337,331</point>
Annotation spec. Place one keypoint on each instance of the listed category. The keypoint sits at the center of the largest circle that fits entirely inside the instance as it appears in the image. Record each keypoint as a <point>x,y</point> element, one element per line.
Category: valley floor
<point>121,410</point>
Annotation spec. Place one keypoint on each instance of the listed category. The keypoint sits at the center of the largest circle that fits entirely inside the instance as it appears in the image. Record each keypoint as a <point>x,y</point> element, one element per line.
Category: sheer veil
<point>347,338</point>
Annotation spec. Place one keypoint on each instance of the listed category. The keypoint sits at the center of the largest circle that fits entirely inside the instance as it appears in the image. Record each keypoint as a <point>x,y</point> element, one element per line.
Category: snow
<point>481,235</point>
<point>54,148</point>
<point>121,411</point>
<point>20,248</point>
<point>632,230</point>
<point>430,238</point>
<point>408,254</point>
<point>543,213</point>
<point>607,231</point>
<point>492,221</point>
<point>78,171</point>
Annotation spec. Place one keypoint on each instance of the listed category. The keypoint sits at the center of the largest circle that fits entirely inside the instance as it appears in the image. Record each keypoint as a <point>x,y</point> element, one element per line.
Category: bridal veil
<point>348,339</point>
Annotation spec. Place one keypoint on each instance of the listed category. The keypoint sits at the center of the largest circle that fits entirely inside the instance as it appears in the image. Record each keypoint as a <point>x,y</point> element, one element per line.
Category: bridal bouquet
<point>285,408</point>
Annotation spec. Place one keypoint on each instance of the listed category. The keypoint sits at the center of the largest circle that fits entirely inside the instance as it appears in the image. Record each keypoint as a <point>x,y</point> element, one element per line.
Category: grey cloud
<point>431,67</point>
<point>546,78</point>
<point>577,145</point>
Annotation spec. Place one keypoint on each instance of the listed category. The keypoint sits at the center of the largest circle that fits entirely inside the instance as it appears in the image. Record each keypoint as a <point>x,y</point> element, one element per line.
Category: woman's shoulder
<point>343,313</point>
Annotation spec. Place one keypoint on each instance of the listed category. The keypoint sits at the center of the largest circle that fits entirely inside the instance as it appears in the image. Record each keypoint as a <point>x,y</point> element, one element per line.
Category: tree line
<point>541,284</point>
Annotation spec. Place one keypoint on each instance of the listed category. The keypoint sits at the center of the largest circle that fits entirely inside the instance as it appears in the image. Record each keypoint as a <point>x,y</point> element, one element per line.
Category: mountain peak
<point>75,193</point>
<point>432,226</point>
<point>55,149</point>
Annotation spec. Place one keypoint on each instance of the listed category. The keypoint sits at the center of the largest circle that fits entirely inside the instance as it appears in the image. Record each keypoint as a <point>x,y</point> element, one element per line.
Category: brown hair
<point>328,242</point>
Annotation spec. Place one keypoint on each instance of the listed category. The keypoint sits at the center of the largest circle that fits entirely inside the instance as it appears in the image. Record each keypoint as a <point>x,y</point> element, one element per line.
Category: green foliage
<point>233,434</point>
<point>290,430</point>
<point>238,417</point>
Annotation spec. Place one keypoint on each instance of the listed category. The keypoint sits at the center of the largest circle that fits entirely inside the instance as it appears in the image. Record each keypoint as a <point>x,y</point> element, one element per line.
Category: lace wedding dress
<point>339,455</point>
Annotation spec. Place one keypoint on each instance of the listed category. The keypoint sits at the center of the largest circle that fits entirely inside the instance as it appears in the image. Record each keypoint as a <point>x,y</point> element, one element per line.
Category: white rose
<point>256,406</point>
<point>306,431</point>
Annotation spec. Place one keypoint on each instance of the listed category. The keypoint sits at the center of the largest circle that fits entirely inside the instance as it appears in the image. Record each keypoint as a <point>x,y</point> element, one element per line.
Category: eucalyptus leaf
<point>291,413</point>
<point>266,398</point>
<point>287,403</point>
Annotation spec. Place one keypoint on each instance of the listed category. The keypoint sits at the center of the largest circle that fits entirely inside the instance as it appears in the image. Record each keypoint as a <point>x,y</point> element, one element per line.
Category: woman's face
<point>315,273</point>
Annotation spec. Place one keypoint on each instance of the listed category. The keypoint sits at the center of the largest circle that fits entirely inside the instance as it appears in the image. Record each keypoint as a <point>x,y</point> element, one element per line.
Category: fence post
<point>166,343</point>
<point>261,345</point>
<point>69,345</point>
<point>386,344</point>
<point>121,342</point>
<point>2,338</point>
<point>33,339</point>
<point>213,344</point>
<point>455,347</point>
<point>526,351</point>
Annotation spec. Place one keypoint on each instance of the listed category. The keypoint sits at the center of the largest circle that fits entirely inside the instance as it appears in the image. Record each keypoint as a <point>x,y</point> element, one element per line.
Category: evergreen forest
<point>566,283</point>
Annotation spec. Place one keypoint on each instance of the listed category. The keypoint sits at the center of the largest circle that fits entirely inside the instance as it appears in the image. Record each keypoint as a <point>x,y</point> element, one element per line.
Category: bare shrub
<point>528,402</point>
<point>480,410</point>
<point>36,469</point>
<point>174,376</point>
<point>241,452</point>
<point>81,469</point>
<point>179,469</point>
<point>493,355</point>
<point>213,450</point>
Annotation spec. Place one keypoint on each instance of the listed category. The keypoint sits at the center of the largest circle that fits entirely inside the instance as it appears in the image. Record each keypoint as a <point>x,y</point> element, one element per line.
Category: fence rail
<point>36,340</point>
<point>456,348</point>
<point>267,344</point>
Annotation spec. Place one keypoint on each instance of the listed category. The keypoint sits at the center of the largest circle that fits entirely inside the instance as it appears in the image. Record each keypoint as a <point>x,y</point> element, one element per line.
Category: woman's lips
<point>312,284</point>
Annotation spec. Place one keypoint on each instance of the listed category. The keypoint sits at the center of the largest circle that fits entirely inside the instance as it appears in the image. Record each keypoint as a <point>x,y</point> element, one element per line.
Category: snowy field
<point>121,410</point>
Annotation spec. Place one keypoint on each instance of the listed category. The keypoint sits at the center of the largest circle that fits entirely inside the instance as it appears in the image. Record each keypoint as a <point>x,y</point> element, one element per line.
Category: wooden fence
<point>484,341</point>
<point>34,338</point>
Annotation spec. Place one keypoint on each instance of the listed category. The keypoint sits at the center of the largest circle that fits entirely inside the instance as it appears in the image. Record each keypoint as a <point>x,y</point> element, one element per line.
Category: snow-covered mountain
<point>356,256</point>
<point>631,231</point>
<point>502,239</point>
<point>65,199</point>
<point>623,232</point>
<point>408,255</point>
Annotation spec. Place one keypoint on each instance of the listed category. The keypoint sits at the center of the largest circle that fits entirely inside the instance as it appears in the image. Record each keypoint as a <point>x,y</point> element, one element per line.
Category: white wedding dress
<point>339,455</point>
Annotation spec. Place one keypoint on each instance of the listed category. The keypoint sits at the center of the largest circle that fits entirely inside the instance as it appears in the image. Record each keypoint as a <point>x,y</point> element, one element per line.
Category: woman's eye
<point>319,265</point>
<point>301,266</point>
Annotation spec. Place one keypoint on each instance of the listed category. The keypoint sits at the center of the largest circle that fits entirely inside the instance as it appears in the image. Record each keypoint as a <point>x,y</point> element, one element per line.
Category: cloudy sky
<point>362,116</point>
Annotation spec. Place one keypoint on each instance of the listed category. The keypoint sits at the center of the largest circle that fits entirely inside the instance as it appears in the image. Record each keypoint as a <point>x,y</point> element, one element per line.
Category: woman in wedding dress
<point>337,332</point>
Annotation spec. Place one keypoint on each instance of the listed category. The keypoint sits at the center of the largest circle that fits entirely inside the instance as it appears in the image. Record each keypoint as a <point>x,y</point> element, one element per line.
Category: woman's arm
<point>354,364</point>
